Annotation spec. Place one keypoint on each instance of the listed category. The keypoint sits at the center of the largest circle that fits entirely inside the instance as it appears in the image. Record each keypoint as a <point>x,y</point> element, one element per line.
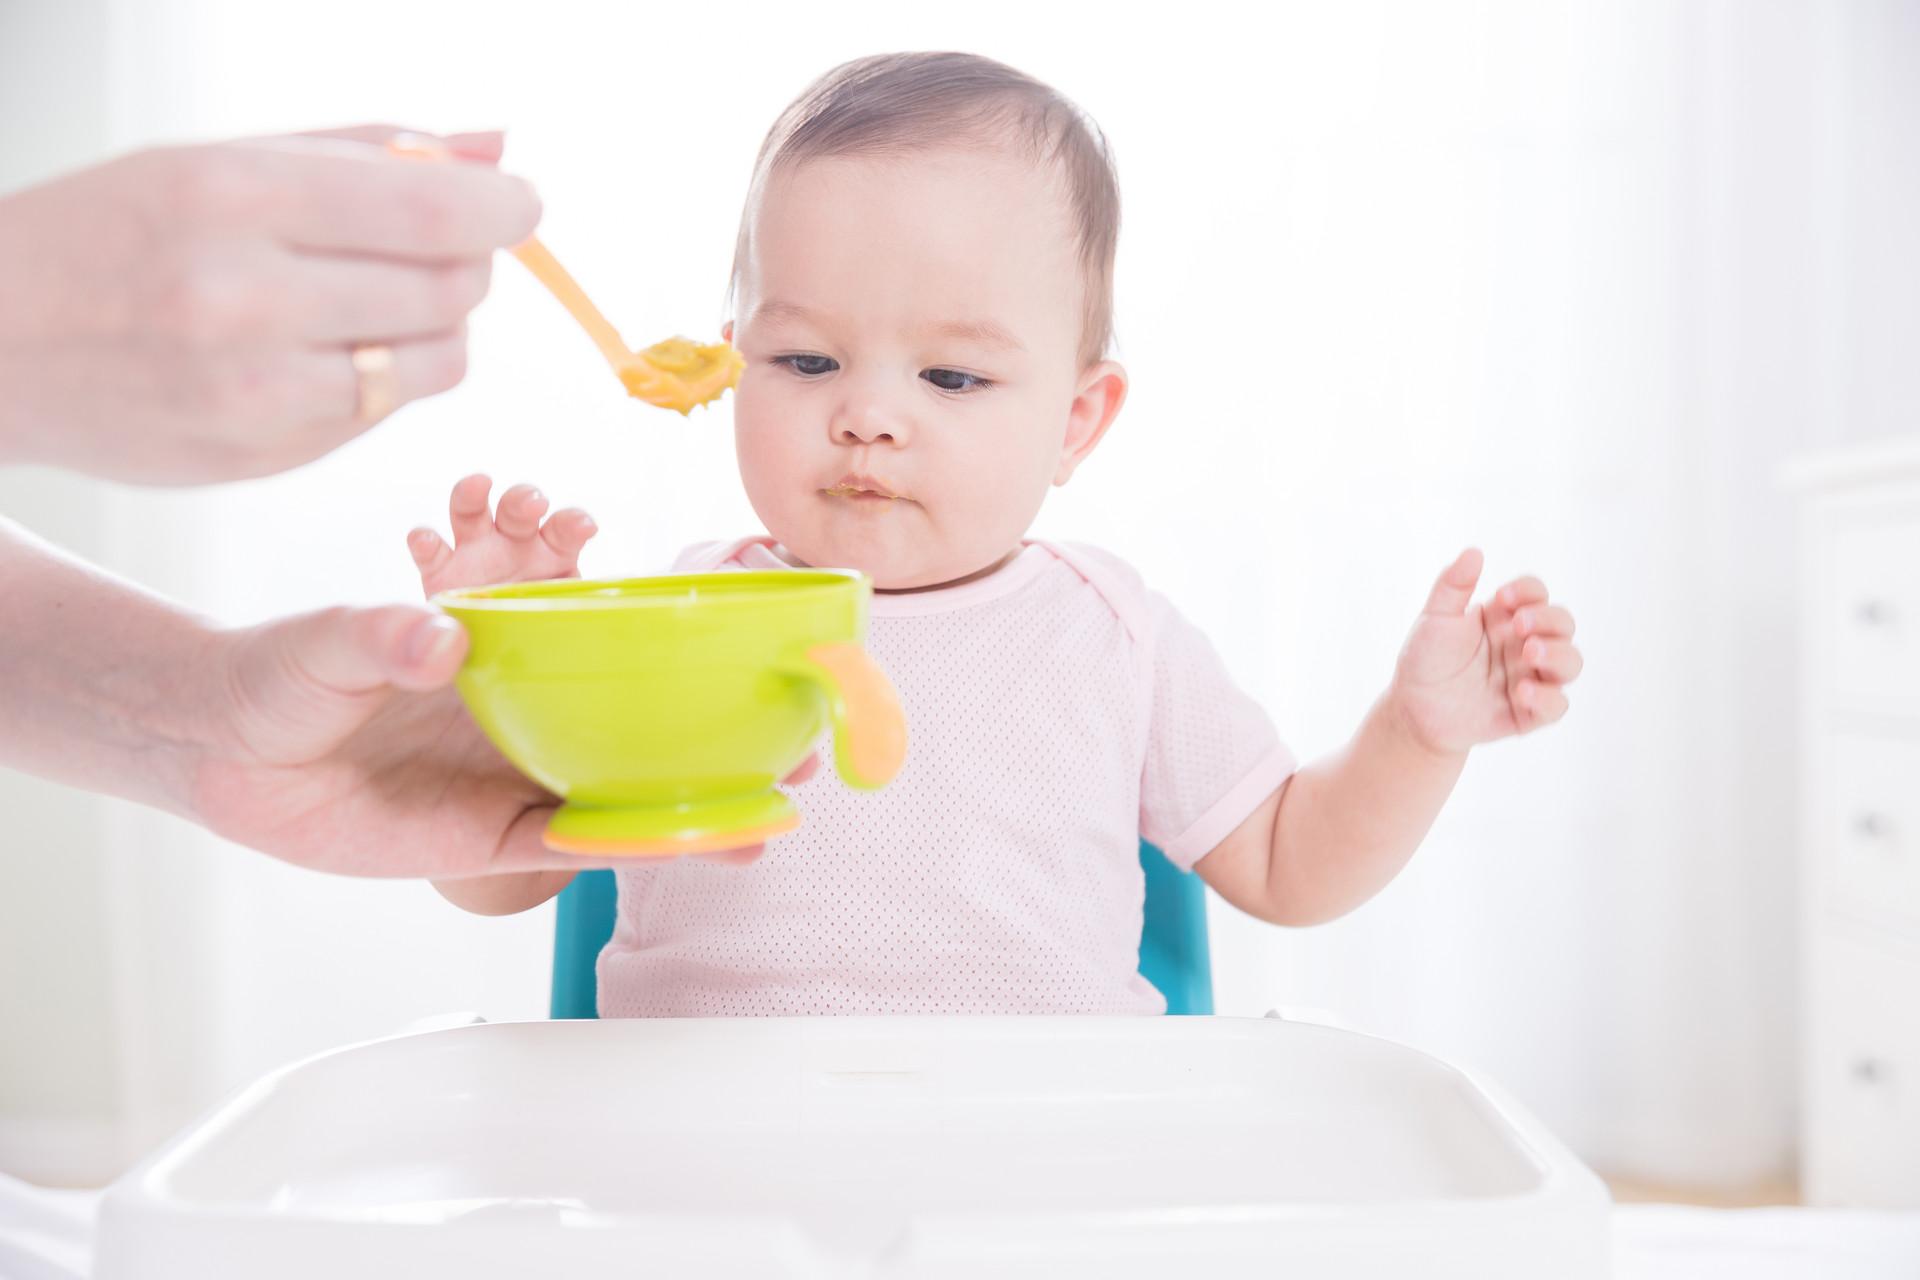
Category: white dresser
<point>1860,825</point>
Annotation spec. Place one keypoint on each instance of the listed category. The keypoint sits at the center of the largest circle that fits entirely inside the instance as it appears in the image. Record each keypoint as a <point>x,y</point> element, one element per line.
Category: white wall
<point>1564,279</point>
<point>59,1077</point>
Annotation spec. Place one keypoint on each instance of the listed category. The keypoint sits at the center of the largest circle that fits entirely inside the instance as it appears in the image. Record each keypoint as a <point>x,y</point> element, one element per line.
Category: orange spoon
<point>675,374</point>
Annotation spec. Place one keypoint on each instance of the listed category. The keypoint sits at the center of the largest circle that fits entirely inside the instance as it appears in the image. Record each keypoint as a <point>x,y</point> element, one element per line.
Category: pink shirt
<point>1057,711</point>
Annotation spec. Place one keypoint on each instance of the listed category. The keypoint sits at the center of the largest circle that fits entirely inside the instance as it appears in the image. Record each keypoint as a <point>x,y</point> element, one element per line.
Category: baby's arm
<point>1335,833</point>
<point>510,544</point>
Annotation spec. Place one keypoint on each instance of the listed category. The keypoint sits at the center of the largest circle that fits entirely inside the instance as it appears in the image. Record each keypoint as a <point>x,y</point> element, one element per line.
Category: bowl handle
<point>869,729</point>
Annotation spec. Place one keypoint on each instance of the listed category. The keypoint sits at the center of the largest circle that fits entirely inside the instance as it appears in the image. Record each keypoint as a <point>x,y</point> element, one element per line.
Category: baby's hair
<point>893,104</point>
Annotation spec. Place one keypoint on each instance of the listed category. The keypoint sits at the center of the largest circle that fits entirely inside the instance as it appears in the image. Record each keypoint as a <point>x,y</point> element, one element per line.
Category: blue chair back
<point>1173,938</point>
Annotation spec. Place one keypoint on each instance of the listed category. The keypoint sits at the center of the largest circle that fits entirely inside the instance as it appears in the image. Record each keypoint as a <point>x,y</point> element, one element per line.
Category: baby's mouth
<point>864,489</point>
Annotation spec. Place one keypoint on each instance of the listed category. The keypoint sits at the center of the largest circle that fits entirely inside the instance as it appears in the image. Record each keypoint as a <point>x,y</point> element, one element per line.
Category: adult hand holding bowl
<point>665,710</point>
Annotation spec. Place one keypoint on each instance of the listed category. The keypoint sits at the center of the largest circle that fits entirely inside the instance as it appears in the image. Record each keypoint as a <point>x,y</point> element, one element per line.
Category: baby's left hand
<point>1472,673</point>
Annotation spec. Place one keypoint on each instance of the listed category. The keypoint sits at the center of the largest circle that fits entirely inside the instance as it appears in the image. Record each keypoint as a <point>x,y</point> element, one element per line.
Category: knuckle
<point>240,389</point>
<point>204,183</point>
<point>476,283</point>
<point>203,299</point>
<point>452,292</point>
<point>529,211</point>
<point>434,218</point>
<point>448,364</point>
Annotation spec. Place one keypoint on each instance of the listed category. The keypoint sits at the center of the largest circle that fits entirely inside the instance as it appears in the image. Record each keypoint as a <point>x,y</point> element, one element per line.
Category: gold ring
<point>377,395</point>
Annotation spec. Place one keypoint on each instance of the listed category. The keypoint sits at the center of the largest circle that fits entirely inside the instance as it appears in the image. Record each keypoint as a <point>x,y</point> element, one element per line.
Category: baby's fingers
<point>430,551</point>
<point>1536,704</point>
<point>519,512</point>
<point>566,532</point>
<point>467,508</point>
<point>1543,620</point>
<point>1554,661</point>
<point>1521,592</point>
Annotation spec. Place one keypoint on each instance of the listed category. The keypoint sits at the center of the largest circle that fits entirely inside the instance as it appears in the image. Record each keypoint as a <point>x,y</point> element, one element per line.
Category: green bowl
<point>665,711</point>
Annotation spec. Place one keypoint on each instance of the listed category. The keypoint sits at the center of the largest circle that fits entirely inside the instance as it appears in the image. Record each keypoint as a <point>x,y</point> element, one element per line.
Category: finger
<point>1537,704</point>
<point>331,196</point>
<point>524,849</point>
<point>808,767</point>
<point>422,367</point>
<point>1500,610</point>
<point>566,532</point>
<point>467,507</point>
<point>350,651</point>
<point>1454,591</point>
<point>1522,591</point>
<point>331,299</point>
<point>289,404</point>
<point>430,551</point>
<point>519,512</point>
<point>1543,620</point>
<point>314,680</point>
<point>483,146</point>
<point>1554,661</point>
<point>373,134</point>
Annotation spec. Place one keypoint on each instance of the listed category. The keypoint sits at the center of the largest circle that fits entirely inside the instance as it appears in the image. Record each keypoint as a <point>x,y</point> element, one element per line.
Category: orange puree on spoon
<point>675,374</point>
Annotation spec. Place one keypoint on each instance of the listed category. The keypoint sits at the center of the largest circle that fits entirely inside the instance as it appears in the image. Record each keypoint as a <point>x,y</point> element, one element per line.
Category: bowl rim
<point>739,589</point>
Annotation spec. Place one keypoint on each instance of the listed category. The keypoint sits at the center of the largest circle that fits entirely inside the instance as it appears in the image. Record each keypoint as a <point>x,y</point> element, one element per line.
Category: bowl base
<point>671,831</point>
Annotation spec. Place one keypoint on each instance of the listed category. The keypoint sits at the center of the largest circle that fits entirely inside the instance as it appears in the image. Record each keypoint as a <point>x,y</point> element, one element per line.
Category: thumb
<point>338,653</point>
<point>1454,591</point>
<point>361,650</point>
<point>302,685</point>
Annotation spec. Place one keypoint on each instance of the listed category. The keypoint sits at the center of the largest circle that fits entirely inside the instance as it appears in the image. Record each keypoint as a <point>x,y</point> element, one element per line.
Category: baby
<point>922,291</point>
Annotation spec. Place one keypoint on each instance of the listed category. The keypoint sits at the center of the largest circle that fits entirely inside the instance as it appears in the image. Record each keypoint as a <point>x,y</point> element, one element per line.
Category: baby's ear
<point>1103,388</point>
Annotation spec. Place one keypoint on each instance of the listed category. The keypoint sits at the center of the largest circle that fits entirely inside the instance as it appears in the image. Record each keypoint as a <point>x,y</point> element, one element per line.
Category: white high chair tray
<point>896,1147</point>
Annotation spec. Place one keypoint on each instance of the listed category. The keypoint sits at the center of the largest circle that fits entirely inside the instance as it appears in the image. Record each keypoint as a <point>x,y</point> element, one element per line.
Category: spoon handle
<point>547,270</point>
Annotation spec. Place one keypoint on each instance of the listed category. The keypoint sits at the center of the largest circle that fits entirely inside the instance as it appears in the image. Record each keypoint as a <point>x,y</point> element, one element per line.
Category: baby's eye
<point>808,366</point>
<point>954,380</point>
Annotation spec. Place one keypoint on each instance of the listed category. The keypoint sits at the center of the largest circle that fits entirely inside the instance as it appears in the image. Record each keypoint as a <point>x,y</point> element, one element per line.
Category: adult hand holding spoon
<point>188,314</point>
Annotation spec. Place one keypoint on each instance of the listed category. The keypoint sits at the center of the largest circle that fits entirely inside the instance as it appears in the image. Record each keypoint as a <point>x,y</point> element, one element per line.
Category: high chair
<point>1173,938</point>
<point>1111,1148</point>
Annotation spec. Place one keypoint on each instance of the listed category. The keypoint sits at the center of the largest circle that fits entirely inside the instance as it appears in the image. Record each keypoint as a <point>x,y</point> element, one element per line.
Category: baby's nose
<point>867,424</point>
<point>860,435</point>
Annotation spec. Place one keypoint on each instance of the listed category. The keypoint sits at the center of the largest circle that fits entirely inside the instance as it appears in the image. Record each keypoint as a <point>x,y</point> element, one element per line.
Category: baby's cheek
<point>1008,483</point>
<point>765,471</point>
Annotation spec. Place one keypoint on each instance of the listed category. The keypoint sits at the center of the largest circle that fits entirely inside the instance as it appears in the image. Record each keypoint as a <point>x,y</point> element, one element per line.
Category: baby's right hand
<point>510,545</point>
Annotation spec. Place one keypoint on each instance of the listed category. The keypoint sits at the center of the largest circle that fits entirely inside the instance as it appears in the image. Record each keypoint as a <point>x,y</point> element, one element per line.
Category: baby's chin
<point>893,566</point>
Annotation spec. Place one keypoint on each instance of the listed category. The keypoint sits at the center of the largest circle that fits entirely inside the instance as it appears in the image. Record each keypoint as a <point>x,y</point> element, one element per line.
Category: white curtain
<point>1565,280</point>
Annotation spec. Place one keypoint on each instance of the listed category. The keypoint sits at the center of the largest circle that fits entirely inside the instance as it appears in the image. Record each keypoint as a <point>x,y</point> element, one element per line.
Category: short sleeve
<point>701,557</point>
<point>1212,752</point>
<point>712,557</point>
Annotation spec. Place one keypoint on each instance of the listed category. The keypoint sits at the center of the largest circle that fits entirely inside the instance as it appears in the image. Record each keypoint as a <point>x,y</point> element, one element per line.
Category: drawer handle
<point>1868,1071</point>
<point>1872,826</point>
<point>1874,613</point>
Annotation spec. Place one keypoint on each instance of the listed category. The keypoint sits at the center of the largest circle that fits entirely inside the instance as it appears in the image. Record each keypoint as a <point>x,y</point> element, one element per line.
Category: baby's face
<point>912,386</point>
